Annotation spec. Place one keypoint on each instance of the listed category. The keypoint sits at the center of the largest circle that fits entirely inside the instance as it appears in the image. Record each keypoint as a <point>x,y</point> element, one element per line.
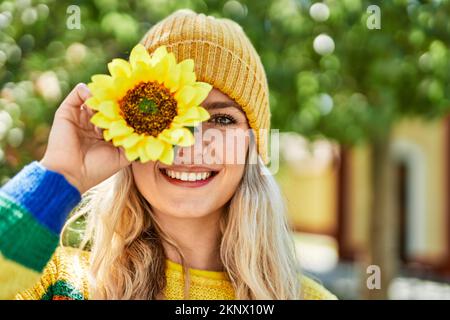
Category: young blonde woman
<point>190,230</point>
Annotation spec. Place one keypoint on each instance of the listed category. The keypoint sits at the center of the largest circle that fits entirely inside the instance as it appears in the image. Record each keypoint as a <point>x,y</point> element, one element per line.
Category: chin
<point>187,211</point>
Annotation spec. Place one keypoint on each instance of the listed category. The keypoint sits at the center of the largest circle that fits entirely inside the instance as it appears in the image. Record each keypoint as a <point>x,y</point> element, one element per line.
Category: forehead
<point>218,99</point>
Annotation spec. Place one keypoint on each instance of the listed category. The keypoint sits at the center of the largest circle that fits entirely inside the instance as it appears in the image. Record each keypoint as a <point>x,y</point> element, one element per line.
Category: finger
<point>88,112</point>
<point>84,107</point>
<point>85,116</point>
<point>77,96</point>
<point>98,132</point>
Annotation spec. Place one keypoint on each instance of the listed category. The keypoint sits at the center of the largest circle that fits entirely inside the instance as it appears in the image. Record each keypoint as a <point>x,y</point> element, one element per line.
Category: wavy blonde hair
<point>127,256</point>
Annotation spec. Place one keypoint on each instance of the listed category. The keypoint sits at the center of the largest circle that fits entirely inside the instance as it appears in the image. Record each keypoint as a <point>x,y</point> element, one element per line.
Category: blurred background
<point>360,91</point>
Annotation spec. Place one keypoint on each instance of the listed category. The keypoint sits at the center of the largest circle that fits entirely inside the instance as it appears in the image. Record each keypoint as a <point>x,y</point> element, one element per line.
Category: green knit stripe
<point>62,289</point>
<point>23,239</point>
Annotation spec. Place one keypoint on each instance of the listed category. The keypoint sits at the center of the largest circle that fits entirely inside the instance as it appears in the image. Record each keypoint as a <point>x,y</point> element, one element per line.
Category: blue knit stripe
<point>46,194</point>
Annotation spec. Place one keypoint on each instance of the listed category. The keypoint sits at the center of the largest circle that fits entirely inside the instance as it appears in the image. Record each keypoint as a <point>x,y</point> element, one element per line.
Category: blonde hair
<point>127,256</point>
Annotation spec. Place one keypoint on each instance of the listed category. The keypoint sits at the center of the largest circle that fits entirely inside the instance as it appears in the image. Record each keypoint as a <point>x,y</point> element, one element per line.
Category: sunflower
<point>146,104</point>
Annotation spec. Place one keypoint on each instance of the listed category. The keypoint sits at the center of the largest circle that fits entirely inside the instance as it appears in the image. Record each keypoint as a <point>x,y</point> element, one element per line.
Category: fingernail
<point>84,88</point>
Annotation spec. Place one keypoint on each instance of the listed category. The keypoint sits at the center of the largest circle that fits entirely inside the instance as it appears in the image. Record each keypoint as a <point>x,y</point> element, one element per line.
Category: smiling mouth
<point>186,177</point>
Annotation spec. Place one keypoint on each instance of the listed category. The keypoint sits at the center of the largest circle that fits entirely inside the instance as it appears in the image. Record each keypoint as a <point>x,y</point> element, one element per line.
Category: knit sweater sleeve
<point>34,205</point>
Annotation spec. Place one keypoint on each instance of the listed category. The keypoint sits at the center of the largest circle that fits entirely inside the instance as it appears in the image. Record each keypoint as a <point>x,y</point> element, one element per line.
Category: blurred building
<point>328,193</point>
<point>421,158</point>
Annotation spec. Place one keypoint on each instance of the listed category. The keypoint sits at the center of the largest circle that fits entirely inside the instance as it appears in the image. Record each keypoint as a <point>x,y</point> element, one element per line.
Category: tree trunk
<point>383,220</point>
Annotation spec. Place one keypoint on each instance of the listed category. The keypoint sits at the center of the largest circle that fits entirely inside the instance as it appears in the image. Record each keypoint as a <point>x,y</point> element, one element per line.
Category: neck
<point>197,238</point>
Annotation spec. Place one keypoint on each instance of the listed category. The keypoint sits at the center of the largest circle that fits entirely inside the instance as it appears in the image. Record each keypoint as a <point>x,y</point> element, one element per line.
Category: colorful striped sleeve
<point>33,207</point>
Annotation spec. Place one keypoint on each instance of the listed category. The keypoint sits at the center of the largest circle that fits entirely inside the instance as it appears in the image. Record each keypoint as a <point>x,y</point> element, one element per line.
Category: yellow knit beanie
<point>224,57</point>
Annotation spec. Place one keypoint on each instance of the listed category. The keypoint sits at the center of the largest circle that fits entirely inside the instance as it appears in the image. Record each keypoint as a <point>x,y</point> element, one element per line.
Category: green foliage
<point>354,94</point>
<point>374,77</point>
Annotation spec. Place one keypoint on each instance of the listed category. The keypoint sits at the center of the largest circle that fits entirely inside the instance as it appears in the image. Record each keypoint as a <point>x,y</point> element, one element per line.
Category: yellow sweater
<point>65,278</point>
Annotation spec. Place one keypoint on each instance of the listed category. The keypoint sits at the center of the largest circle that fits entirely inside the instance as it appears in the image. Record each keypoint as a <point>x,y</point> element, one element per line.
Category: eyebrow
<point>221,105</point>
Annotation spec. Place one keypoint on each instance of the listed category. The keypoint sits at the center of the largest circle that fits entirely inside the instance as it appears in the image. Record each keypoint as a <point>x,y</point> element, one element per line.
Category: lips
<point>182,177</point>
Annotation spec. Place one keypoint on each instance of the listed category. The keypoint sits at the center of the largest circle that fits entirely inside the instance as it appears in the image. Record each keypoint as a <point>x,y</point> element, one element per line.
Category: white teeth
<point>187,176</point>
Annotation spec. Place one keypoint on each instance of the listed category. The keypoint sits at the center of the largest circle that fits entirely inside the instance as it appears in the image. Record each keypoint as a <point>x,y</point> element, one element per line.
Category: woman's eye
<point>222,119</point>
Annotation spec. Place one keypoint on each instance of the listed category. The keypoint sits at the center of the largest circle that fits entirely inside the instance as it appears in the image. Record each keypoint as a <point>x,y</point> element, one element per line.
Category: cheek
<point>152,187</point>
<point>234,174</point>
<point>145,178</point>
<point>228,147</point>
<point>236,152</point>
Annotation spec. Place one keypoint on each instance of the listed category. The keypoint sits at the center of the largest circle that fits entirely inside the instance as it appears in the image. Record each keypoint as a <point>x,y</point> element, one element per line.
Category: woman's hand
<point>76,148</point>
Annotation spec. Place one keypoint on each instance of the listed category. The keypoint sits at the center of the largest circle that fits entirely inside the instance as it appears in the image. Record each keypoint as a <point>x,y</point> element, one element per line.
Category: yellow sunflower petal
<point>93,103</point>
<point>163,66</point>
<point>106,135</point>
<point>110,109</point>
<point>178,136</point>
<point>187,138</point>
<point>132,153</point>
<point>143,156</point>
<point>203,85</point>
<point>192,116</point>
<point>120,128</point>
<point>99,92</point>
<point>154,148</point>
<point>101,121</point>
<point>158,54</point>
<point>142,73</point>
<point>172,78</point>
<point>185,95</point>
<point>119,68</point>
<point>187,65</point>
<point>203,114</point>
<point>131,140</point>
<point>139,54</point>
<point>180,121</point>
<point>121,86</point>
<point>187,76</point>
<point>118,140</point>
<point>167,155</point>
<point>102,80</point>
<point>202,90</point>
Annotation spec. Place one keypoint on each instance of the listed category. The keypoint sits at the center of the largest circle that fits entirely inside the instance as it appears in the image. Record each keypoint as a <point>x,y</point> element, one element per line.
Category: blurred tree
<point>338,78</point>
<point>329,76</point>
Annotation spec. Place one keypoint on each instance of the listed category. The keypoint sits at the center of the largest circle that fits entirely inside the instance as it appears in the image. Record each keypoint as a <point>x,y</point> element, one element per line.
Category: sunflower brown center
<point>148,108</point>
